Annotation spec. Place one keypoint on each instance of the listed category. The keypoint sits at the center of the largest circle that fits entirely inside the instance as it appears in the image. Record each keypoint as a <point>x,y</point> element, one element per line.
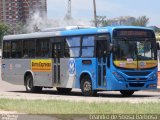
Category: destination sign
<point>133,33</point>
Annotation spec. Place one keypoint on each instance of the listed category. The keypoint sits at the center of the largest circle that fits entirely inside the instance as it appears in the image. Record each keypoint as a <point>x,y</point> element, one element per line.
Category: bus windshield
<point>134,53</point>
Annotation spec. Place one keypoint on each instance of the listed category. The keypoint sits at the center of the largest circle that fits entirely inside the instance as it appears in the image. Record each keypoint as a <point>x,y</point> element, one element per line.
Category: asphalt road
<point>8,90</point>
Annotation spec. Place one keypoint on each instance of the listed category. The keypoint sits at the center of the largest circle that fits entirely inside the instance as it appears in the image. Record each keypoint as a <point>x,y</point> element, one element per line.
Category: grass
<point>66,107</point>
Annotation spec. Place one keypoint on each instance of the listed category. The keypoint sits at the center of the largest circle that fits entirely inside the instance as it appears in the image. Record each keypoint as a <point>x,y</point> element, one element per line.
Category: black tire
<point>86,87</point>
<point>64,90</point>
<point>127,93</point>
<point>29,85</point>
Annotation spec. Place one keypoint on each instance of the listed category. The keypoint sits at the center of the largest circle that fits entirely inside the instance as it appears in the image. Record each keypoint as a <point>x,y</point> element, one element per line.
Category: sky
<point>83,9</point>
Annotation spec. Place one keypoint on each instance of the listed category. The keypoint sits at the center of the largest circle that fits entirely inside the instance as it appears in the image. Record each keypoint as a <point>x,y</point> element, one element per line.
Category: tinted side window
<point>66,50</point>
<point>103,44</point>
<point>88,46</point>
<point>74,46</point>
<point>88,41</point>
<point>6,49</point>
<point>29,48</point>
<point>42,48</point>
<point>16,49</point>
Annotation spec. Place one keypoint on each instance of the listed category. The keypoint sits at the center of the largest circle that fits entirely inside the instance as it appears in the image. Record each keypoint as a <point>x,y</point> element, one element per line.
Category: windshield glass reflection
<point>133,50</point>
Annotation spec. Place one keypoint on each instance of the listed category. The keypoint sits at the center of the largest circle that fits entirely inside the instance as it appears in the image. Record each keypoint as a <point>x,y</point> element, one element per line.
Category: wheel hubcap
<point>29,84</point>
<point>87,86</point>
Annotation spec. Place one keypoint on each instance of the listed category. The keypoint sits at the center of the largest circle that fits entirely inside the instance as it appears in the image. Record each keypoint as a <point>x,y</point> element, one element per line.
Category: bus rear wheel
<point>64,90</point>
<point>127,93</point>
<point>29,85</point>
<point>86,87</point>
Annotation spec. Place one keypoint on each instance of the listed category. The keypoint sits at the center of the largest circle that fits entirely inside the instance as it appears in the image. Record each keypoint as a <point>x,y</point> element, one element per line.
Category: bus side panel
<point>43,79</point>
<point>67,73</point>
<point>87,66</point>
<point>42,73</point>
<point>13,70</point>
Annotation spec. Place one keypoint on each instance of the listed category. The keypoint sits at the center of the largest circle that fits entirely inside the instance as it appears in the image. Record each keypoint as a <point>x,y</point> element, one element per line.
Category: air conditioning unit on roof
<point>65,28</point>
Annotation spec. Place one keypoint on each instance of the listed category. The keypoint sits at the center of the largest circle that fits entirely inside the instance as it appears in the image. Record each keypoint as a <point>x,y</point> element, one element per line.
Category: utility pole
<point>95,13</point>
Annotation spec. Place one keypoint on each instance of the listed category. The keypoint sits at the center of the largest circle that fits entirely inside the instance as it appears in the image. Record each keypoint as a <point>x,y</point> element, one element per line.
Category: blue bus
<point>119,58</point>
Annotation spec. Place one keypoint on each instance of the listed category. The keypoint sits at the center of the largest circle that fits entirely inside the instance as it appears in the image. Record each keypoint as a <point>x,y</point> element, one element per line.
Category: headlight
<point>153,77</point>
<point>118,76</point>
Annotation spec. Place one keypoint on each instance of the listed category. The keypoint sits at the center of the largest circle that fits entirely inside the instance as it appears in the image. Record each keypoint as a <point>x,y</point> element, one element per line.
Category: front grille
<point>137,73</point>
<point>137,79</point>
<point>136,84</point>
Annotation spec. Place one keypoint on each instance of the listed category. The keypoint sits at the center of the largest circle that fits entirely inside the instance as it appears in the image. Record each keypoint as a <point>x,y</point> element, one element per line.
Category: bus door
<point>56,55</point>
<point>101,54</point>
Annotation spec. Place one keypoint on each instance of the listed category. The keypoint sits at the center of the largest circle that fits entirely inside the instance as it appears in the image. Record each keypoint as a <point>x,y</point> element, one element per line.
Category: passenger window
<point>6,49</point>
<point>66,50</point>
<point>87,51</point>
<point>29,49</point>
<point>16,49</point>
<point>73,41</point>
<point>42,48</point>
<point>74,46</point>
<point>88,41</point>
<point>88,46</point>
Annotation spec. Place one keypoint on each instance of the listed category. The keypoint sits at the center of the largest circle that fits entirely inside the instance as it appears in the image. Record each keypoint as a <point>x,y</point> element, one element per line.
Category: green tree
<point>157,29</point>
<point>141,21</point>
<point>102,21</point>
<point>3,31</point>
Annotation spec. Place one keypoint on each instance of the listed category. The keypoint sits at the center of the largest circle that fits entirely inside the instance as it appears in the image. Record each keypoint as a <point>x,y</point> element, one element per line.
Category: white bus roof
<point>69,31</point>
<point>31,35</point>
<point>50,32</point>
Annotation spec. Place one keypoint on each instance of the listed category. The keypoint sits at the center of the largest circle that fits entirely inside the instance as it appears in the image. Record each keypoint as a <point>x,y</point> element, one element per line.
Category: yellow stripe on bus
<point>133,64</point>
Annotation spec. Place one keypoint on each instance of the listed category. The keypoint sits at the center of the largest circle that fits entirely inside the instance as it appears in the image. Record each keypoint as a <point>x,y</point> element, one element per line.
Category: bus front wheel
<point>29,85</point>
<point>86,87</point>
<point>127,93</point>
